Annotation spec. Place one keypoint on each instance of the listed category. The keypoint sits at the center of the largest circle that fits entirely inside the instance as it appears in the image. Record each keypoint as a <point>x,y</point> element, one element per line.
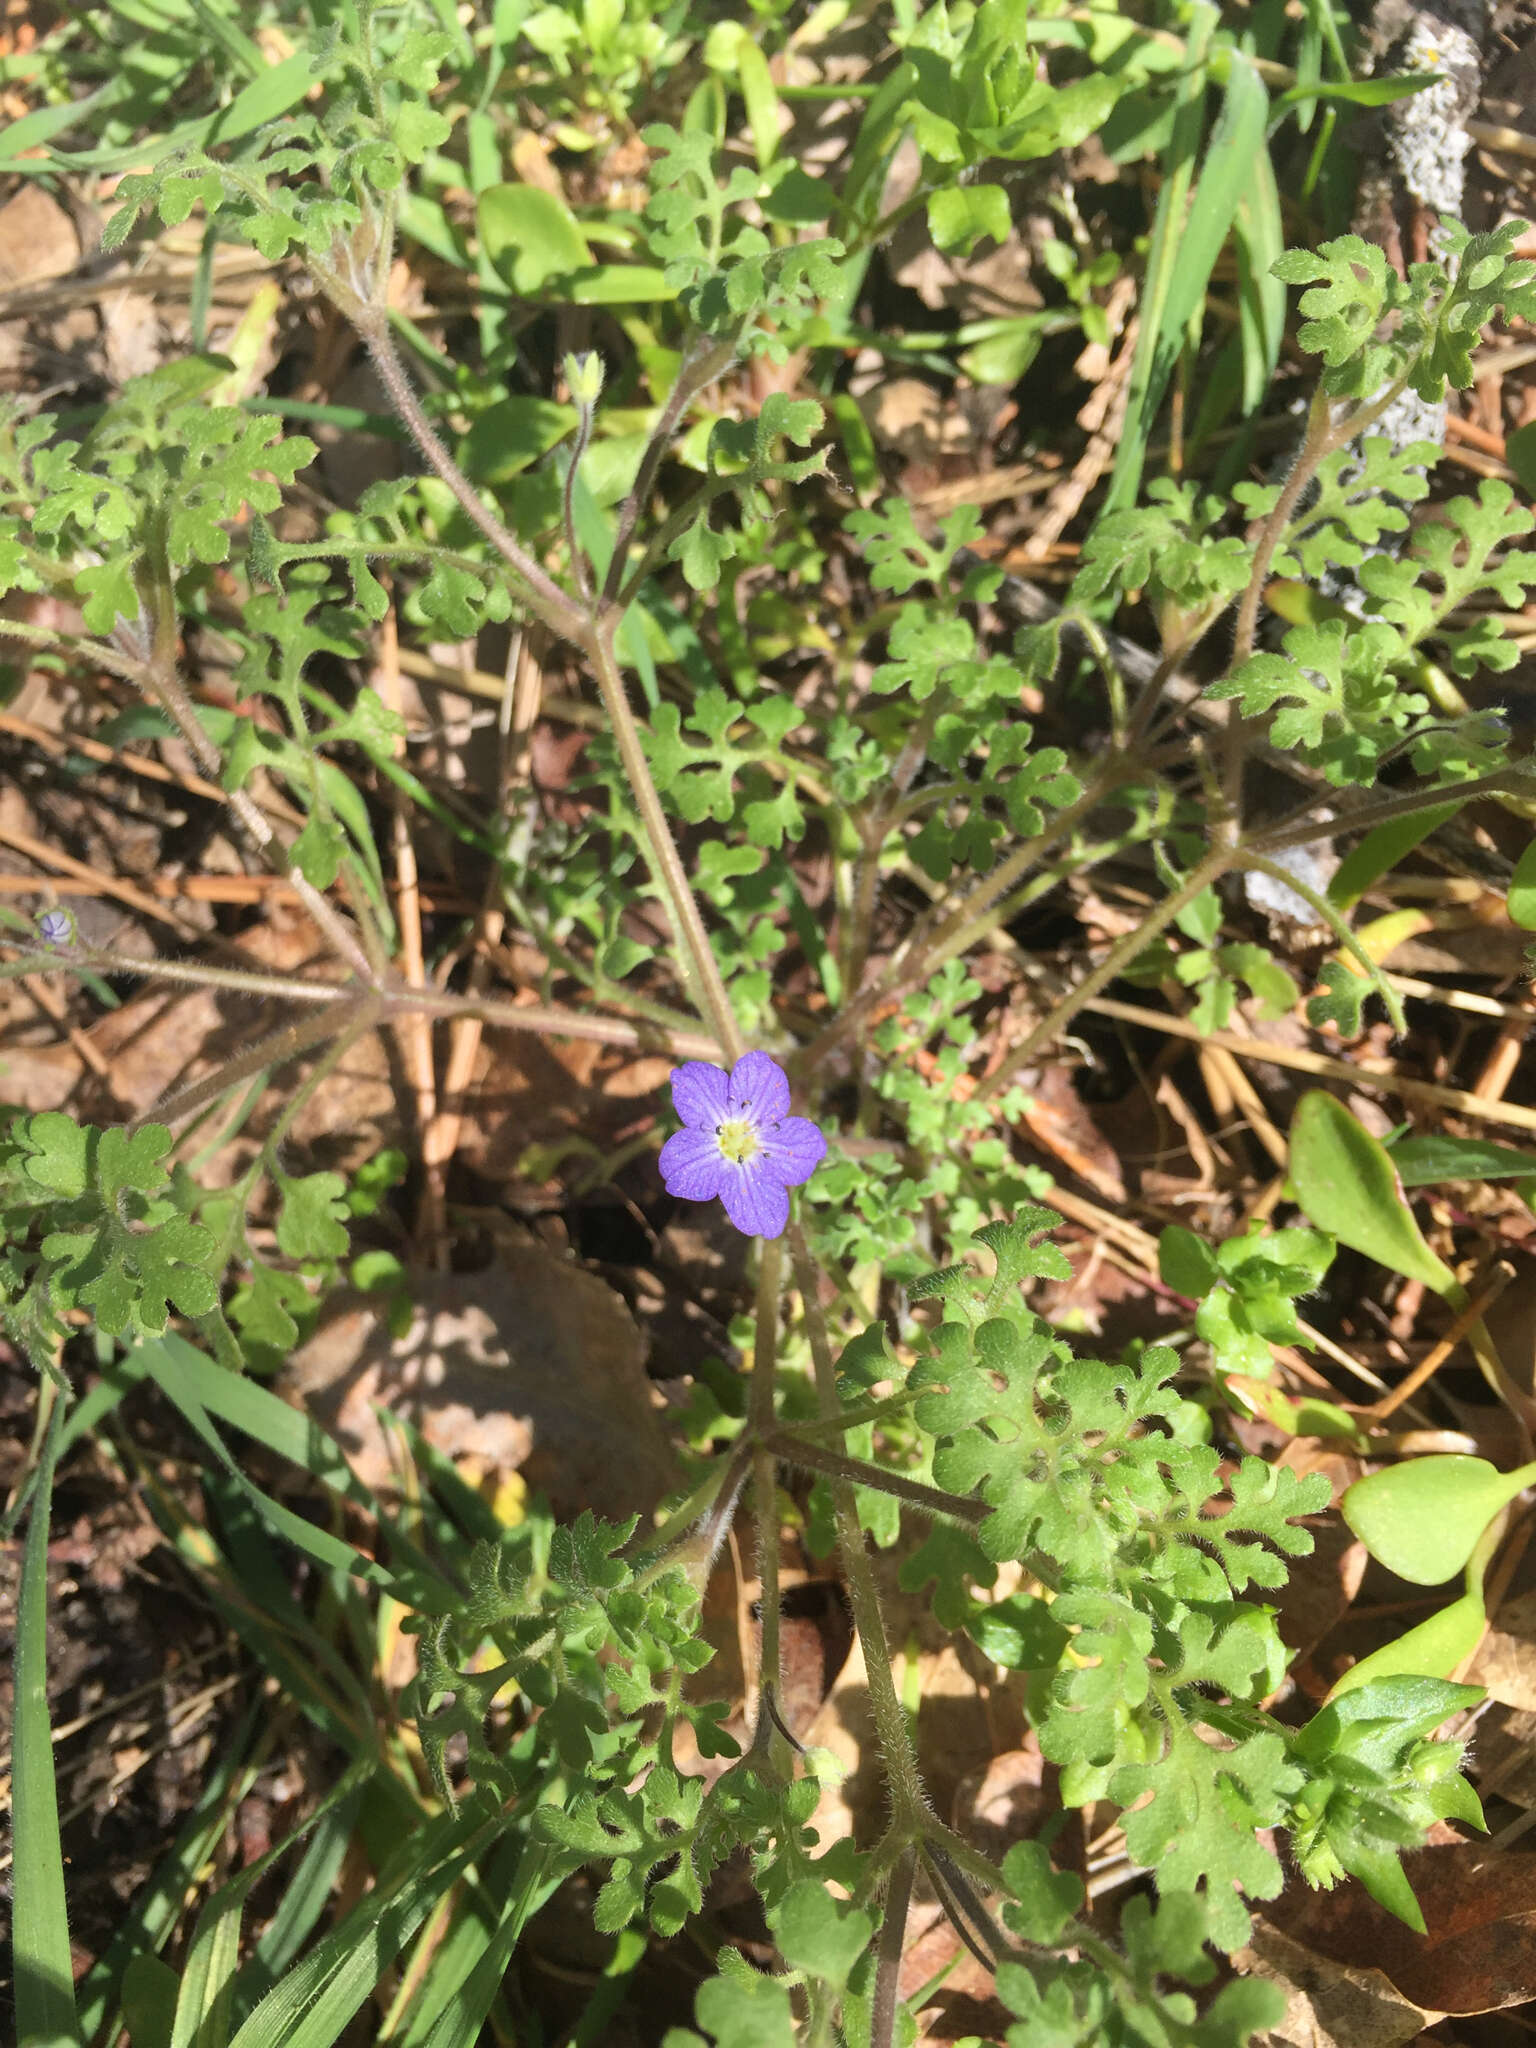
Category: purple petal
<point>701,1094</point>
<point>793,1152</point>
<point>760,1084</point>
<point>691,1166</point>
<point>754,1201</point>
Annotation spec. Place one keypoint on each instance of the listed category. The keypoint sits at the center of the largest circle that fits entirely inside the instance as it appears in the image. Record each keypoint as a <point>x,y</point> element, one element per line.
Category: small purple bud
<point>56,927</point>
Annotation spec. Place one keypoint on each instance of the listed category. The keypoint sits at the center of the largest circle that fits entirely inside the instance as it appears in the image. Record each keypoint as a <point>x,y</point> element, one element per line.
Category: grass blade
<point>156,1911</point>
<point>1185,246</point>
<point>45,1981</point>
<point>315,2002</point>
<point>201,1389</point>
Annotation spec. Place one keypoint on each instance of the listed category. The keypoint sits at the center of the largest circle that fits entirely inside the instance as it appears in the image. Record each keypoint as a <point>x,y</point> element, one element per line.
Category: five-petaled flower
<point>739,1142</point>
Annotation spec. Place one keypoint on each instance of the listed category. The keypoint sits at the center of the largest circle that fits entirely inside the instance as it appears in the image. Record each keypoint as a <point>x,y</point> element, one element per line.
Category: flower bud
<point>584,379</point>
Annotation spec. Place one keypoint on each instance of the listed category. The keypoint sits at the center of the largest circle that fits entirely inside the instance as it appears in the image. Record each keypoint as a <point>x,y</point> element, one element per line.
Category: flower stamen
<point>739,1140</point>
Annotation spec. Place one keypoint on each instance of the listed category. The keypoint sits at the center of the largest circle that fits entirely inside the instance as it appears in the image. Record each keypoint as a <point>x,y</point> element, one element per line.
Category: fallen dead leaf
<point>37,239</point>
<point>1055,1118</point>
<point>1478,1953</point>
<point>533,1365</point>
<point>915,419</point>
<point>131,336</point>
<point>1004,1803</point>
<point>1328,2004</point>
<point>1505,1661</point>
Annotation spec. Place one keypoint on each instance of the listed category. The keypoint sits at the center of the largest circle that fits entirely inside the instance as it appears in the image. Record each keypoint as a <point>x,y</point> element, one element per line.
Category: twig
<point>1432,1361</point>
<point>416,1031</point>
<point>1366,1073</point>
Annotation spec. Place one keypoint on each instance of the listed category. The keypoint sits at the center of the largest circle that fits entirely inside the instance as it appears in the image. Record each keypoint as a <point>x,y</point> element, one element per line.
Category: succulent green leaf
<point>1346,1183</point>
<point>1423,1519</point>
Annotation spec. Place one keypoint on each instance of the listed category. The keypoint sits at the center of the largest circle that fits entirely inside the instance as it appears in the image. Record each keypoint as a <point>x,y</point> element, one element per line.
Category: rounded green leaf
<point>1186,1263</point>
<point>512,434</point>
<point>1422,1520</point>
<point>962,215</point>
<point>1346,1183</point>
<point>817,1932</point>
<point>530,236</point>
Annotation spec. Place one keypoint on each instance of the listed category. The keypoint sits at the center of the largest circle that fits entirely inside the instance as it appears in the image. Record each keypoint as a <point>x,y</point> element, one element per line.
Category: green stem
<point>160,681</point>
<point>929,1500</point>
<point>704,1516</point>
<point>909,1804</point>
<point>940,934</point>
<point>580,567</point>
<point>1329,914</point>
<point>811,1432</point>
<point>703,975</point>
<point>1109,668</point>
<point>45,1998</point>
<point>1323,438</point>
<point>676,522</point>
<point>538,590</point>
<point>1114,964</point>
<point>698,370</point>
<point>1505,782</point>
<point>765,1489</point>
<point>885,2004</point>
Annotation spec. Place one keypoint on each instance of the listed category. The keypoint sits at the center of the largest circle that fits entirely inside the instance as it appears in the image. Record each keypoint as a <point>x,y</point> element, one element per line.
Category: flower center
<point>739,1139</point>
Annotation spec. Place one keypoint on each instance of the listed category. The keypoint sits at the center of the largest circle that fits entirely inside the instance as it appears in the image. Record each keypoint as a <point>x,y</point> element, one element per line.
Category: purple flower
<point>739,1142</point>
<point>56,927</point>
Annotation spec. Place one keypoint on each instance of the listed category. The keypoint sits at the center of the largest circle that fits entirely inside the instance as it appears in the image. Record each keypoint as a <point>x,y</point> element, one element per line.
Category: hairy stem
<point>1514,781</point>
<point>1114,963</point>
<point>161,683</point>
<point>537,589</point>
<point>930,1500</point>
<point>546,1018</point>
<point>909,1805</point>
<point>893,1934</point>
<point>705,361</point>
<point>703,975</point>
<point>1329,914</point>
<point>578,554</point>
<point>1324,437</point>
<point>276,1049</point>
<point>765,1488</point>
<point>942,933</point>
<point>1313,448</point>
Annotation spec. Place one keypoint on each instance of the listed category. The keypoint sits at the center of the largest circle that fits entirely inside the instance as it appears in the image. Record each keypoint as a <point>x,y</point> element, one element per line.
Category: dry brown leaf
<point>37,239</point>
<point>1005,1802</point>
<point>1328,2004</point>
<point>131,336</point>
<point>1478,1953</point>
<point>1505,1661</point>
<point>534,1365</point>
<point>965,2006</point>
<point>916,419</point>
<point>1055,1118</point>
